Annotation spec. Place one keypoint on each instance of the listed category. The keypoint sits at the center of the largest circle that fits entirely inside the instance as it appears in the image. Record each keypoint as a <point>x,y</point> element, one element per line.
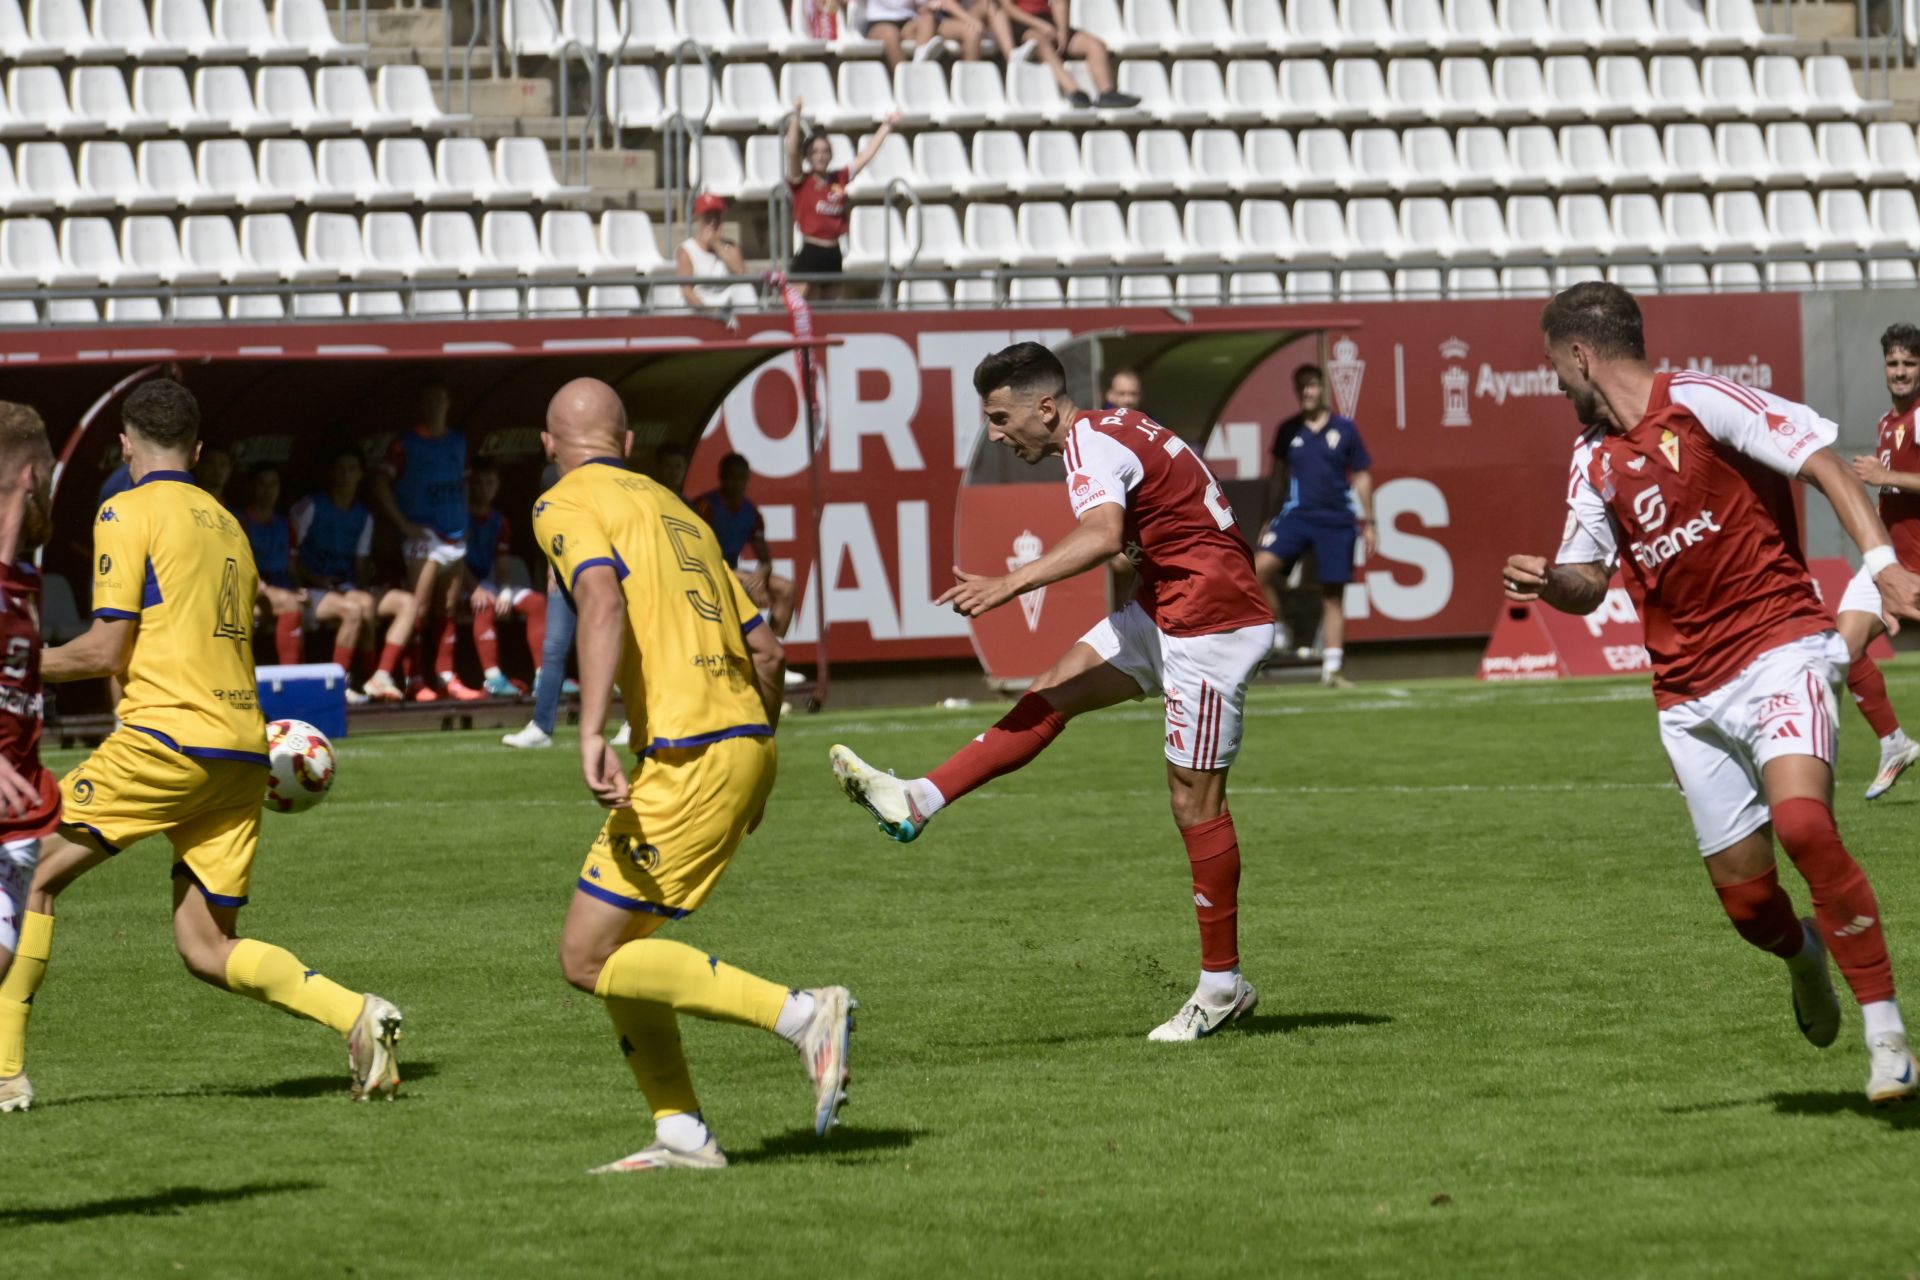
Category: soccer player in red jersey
<point>1194,633</point>
<point>1895,469</point>
<point>1684,479</point>
<point>29,794</point>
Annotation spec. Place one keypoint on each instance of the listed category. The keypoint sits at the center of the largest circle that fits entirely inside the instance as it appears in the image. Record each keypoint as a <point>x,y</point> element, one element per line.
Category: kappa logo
<point>538,507</point>
<point>107,516</point>
<point>1650,507</point>
<point>1026,549</point>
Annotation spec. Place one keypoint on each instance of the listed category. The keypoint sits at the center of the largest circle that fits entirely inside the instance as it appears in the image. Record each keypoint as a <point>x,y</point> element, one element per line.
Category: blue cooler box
<point>312,691</point>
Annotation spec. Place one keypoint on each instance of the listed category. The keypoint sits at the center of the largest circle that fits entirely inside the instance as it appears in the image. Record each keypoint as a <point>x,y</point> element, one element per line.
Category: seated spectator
<point>1123,389</point>
<point>820,199</point>
<point>489,539</point>
<point>334,533</point>
<point>707,252</point>
<point>1044,22</point>
<point>893,23</point>
<point>670,468</point>
<point>214,470</point>
<point>737,525</point>
<point>272,540</point>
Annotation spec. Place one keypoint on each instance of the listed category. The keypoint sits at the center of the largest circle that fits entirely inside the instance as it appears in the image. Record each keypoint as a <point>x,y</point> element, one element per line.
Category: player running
<point>1684,479</point>
<point>1195,632</point>
<point>660,614</point>
<point>29,796</point>
<point>173,593</point>
<point>1896,470</point>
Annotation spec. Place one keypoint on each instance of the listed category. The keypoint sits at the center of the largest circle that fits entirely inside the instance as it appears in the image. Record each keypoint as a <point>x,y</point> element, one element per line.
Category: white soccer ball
<point>300,765</point>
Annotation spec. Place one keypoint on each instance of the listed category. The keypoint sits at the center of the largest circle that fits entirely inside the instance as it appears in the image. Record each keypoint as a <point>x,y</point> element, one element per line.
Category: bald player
<point>661,614</point>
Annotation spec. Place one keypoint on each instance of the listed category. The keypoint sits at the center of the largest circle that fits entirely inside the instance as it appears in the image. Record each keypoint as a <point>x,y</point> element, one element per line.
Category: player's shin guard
<point>486,644</point>
<point>444,649</point>
<point>17,990</point>
<point>286,637</point>
<point>1869,688</point>
<point>1010,744</point>
<point>1844,906</point>
<point>272,975</point>
<point>1762,913</point>
<point>650,1042</point>
<point>1214,851</point>
<point>678,976</point>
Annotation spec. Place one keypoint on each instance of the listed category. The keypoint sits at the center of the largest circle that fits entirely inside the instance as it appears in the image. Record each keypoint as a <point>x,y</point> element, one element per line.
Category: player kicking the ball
<point>1683,479</point>
<point>662,614</point>
<point>1195,632</point>
<point>173,596</point>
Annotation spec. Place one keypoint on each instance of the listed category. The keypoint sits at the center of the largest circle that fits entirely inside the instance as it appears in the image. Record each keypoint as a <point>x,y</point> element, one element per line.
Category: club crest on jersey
<point>1899,435</point>
<point>1026,549</point>
<point>1670,449</point>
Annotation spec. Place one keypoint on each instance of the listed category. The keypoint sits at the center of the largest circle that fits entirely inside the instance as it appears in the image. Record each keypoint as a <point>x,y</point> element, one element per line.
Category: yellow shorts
<point>691,810</point>
<point>133,787</point>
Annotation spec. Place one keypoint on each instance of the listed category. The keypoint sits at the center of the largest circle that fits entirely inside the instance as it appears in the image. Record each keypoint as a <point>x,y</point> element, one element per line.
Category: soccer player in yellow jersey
<point>661,614</point>
<point>173,595</point>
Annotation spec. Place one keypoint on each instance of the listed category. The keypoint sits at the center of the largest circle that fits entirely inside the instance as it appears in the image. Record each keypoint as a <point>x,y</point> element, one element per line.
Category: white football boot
<point>1891,767</point>
<point>533,737</point>
<point>1198,1019</point>
<point>622,738</point>
<point>371,1055</point>
<point>823,1052</point>
<point>381,688</point>
<point>1893,1077</point>
<point>880,794</point>
<point>659,1155</point>
<point>16,1093</point>
<point>1816,1009</point>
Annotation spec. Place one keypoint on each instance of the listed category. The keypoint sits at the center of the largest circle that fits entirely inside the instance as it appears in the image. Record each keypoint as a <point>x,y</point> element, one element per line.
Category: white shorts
<point>17,860</point>
<point>1783,704</point>
<point>1861,595</point>
<point>1203,679</point>
<point>435,548</point>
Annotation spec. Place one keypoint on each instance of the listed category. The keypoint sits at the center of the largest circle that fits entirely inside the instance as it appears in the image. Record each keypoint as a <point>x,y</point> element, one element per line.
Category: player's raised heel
<point>372,1054</point>
<point>1198,1019</point>
<point>16,1093</point>
<point>823,1051</point>
<point>879,793</point>
<point>1893,1077</point>
<point>1816,1009</point>
<point>1891,767</point>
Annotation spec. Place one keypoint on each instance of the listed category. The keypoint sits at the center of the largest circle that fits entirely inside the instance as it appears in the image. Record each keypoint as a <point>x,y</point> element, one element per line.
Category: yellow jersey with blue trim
<point>169,558</point>
<point>685,674</point>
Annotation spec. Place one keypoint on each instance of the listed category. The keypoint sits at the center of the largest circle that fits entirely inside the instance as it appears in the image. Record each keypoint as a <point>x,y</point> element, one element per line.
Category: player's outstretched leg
<point>1898,752</point>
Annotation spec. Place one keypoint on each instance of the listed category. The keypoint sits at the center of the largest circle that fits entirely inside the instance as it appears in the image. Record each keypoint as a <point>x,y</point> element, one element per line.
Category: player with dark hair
<point>1895,469</point>
<point>1684,480</point>
<point>1194,634</point>
<point>422,489</point>
<point>334,533</point>
<point>29,795</point>
<point>1123,389</point>
<point>271,537</point>
<point>1321,466</point>
<point>737,523</point>
<point>173,592</point>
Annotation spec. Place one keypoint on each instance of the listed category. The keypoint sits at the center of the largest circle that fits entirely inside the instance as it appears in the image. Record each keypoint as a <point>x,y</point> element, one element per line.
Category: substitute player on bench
<point>661,615</point>
<point>1194,633</point>
<point>1683,480</point>
<point>173,596</point>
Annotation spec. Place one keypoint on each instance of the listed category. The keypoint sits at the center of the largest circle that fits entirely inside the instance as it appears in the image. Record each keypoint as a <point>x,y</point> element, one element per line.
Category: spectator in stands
<point>820,197</point>
<point>489,542</point>
<point>334,531</point>
<point>893,23</point>
<point>272,540</point>
<point>550,681</point>
<point>1123,389</point>
<point>670,467</point>
<point>214,470</point>
<point>1044,22</point>
<point>1322,467</point>
<point>737,524</point>
<point>707,252</point>
<point>422,489</point>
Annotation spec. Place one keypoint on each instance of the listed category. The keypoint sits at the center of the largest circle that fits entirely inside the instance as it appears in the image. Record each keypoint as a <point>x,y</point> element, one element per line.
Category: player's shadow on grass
<point>1280,1024</point>
<point>317,1086</point>
<point>173,1200</point>
<point>803,1144</point>
<point>1842,1102</point>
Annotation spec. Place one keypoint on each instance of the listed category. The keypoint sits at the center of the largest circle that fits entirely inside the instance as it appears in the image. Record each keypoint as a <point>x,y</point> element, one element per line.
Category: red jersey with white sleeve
<point>1698,497</point>
<point>820,204</point>
<point>1196,571</point>
<point>21,702</point>
<point>1900,508</point>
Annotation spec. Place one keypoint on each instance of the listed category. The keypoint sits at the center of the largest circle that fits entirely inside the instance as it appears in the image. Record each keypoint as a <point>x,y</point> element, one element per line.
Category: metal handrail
<point>900,186</point>
<point>562,55</point>
<point>473,42</point>
<point>678,171</point>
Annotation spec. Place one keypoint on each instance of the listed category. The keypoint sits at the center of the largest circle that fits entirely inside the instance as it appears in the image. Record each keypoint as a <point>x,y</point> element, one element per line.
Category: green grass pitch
<point>1504,1028</point>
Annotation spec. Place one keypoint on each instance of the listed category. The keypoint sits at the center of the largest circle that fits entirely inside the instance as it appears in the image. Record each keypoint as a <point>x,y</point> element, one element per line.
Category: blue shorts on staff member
<point>1320,512</point>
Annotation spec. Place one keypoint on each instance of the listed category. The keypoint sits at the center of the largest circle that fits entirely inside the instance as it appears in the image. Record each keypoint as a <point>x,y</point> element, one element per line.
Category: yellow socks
<point>16,991</point>
<point>650,1041</point>
<point>661,971</point>
<point>271,975</point>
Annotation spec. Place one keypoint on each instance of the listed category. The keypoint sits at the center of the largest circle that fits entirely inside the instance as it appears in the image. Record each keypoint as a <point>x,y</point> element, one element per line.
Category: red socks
<point>533,608</point>
<point>286,637</point>
<point>1762,913</point>
<point>390,658</point>
<point>344,656</point>
<point>1214,851</point>
<point>1844,908</point>
<point>1870,695</point>
<point>486,643</point>
<point>1020,735</point>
